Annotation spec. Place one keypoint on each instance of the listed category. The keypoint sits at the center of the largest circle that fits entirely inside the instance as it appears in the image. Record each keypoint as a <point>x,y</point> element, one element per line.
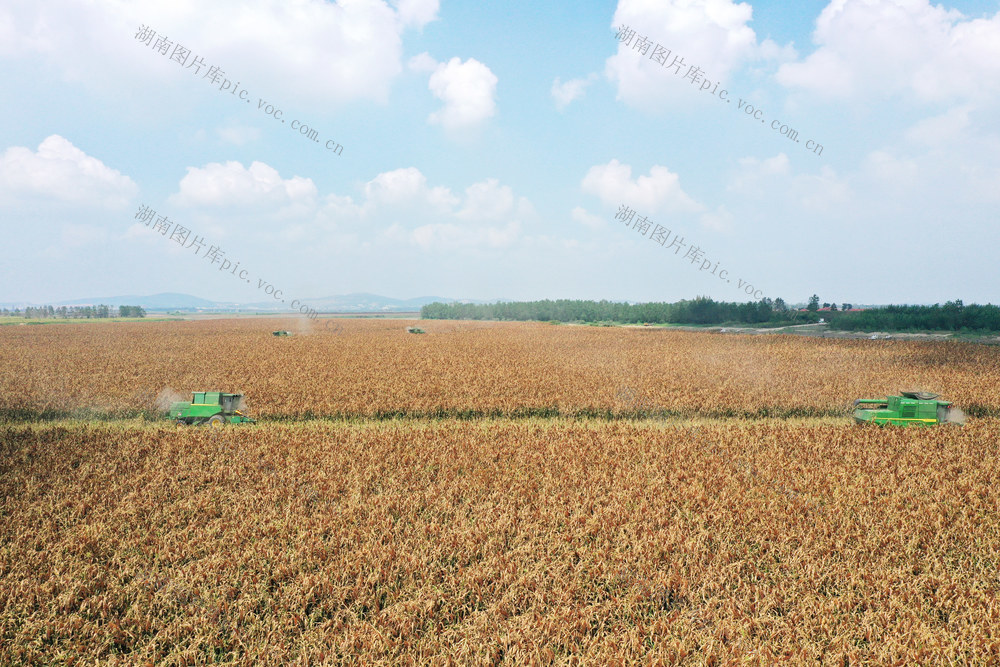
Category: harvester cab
<point>211,407</point>
<point>912,408</point>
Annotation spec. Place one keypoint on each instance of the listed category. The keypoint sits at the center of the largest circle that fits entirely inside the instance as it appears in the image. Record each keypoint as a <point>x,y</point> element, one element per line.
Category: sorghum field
<point>491,493</point>
<point>375,369</point>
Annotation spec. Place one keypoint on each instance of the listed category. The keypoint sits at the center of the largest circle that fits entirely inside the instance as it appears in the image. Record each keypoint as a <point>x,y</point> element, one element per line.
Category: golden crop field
<point>697,538</point>
<point>375,368</point>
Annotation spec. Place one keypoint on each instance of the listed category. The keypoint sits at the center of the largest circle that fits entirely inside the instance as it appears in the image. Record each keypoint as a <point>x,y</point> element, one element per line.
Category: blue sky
<point>487,148</point>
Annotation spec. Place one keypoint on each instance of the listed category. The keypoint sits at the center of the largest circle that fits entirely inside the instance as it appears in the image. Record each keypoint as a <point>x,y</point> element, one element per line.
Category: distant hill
<point>163,301</point>
<point>359,303</point>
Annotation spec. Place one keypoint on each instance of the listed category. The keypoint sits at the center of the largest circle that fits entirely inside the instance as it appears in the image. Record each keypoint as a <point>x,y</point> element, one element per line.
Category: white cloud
<point>283,50</point>
<point>658,192</point>
<point>60,171</point>
<point>719,220</point>
<point>712,35</point>
<point>407,188</point>
<point>773,165</point>
<point>565,93</point>
<point>400,185</point>
<point>823,192</point>
<point>448,236</point>
<point>891,171</point>
<point>579,214</point>
<point>422,62</point>
<point>772,180</point>
<point>487,200</point>
<point>489,216</point>
<point>943,130</point>
<point>952,155</point>
<point>337,209</point>
<point>396,207</point>
<point>66,242</point>
<point>753,173</point>
<point>468,91</point>
<point>417,12</point>
<point>239,134</point>
<point>231,184</point>
<point>885,47</point>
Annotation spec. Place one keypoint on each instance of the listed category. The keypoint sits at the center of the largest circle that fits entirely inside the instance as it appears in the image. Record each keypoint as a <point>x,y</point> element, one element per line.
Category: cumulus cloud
<point>407,188</point>
<point>719,220</point>
<point>468,90</point>
<point>660,191</point>
<point>338,209</point>
<point>489,216</point>
<point>397,206</point>
<point>422,62</point>
<point>487,200</point>
<point>580,214</point>
<point>891,171</point>
<point>231,184</point>
<point>239,135</point>
<point>60,171</point>
<point>449,236</point>
<point>943,130</point>
<point>773,180</point>
<point>417,12</point>
<point>400,185</point>
<point>823,192</point>
<point>753,172</point>
<point>885,47</point>
<point>565,93</point>
<point>307,50</point>
<point>712,35</point>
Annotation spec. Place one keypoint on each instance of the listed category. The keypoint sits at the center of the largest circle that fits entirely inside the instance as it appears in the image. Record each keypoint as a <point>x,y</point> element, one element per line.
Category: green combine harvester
<point>913,408</point>
<point>210,407</point>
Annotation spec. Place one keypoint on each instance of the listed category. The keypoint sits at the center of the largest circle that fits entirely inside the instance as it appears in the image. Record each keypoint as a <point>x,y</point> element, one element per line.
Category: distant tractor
<point>210,407</point>
<point>913,408</point>
<point>281,333</point>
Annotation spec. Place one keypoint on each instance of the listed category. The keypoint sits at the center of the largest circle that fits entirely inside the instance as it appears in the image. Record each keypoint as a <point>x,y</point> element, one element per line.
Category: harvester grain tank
<point>210,407</point>
<point>912,408</point>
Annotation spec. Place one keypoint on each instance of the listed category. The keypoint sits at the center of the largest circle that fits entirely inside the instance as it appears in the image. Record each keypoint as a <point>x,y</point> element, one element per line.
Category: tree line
<point>701,310</point>
<point>952,316</point>
<point>74,312</point>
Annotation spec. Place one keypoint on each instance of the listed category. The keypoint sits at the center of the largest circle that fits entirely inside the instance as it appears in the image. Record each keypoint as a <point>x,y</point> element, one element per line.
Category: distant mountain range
<point>167,301</point>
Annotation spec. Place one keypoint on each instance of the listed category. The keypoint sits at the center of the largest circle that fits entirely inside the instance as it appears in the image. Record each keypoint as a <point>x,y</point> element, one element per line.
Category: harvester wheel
<point>217,421</point>
<point>181,422</point>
